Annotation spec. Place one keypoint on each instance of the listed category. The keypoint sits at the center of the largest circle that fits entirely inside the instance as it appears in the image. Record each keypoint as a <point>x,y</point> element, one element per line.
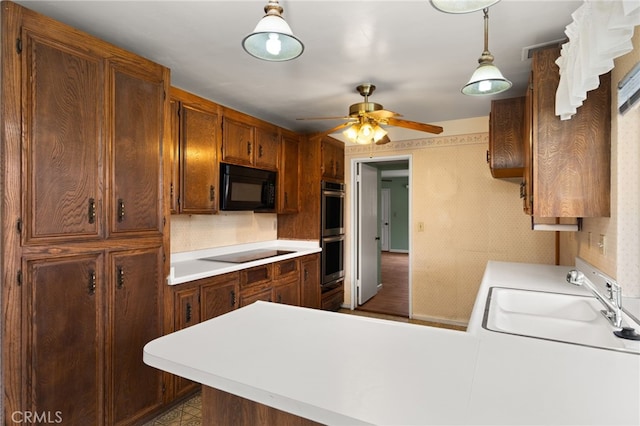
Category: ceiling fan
<point>366,118</point>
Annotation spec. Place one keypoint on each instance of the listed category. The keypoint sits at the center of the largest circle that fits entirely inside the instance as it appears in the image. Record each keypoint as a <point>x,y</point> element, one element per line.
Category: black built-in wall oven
<point>332,231</point>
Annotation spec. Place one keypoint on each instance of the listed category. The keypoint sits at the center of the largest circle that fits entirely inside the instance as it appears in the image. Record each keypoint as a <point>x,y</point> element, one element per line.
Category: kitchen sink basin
<point>554,316</point>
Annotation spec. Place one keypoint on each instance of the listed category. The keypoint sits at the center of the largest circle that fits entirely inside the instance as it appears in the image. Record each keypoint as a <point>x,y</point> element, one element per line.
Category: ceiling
<point>418,57</point>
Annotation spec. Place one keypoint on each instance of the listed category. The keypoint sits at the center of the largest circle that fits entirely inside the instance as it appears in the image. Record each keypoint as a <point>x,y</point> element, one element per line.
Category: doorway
<point>380,252</point>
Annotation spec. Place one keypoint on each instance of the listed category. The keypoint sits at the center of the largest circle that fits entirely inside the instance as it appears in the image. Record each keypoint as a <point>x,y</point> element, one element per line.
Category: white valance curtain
<point>600,32</point>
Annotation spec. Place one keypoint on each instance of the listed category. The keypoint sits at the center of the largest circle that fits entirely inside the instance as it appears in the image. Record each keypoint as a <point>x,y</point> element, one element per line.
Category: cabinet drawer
<point>286,269</point>
<point>257,275</point>
<point>248,297</point>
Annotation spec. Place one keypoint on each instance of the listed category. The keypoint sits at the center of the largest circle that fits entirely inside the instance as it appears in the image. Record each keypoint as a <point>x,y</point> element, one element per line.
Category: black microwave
<point>244,188</point>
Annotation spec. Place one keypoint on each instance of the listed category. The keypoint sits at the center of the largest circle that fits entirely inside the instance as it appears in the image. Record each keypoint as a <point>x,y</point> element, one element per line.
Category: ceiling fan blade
<point>332,130</point>
<point>385,140</point>
<point>414,125</point>
<point>326,118</point>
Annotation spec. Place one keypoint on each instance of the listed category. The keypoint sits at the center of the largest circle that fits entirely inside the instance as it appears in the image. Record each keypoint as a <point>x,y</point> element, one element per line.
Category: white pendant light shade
<point>462,6</point>
<point>272,39</point>
<point>486,80</point>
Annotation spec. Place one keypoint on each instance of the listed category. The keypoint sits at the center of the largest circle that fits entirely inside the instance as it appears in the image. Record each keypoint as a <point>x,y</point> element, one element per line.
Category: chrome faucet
<point>612,301</point>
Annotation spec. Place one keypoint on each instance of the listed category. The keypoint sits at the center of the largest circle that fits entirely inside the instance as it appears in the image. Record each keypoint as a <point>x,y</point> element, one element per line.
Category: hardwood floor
<point>393,297</point>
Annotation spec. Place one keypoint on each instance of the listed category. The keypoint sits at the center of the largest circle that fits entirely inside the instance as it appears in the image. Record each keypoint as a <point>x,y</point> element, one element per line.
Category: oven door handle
<point>333,238</point>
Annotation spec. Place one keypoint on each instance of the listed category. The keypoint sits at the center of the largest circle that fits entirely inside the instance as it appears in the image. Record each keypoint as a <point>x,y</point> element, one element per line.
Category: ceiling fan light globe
<point>378,133</point>
<point>486,80</point>
<point>352,132</point>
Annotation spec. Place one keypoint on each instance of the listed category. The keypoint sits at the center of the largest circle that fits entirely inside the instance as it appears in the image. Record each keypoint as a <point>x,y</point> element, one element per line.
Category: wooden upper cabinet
<point>570,159</point>
<point>247,141</point>
<point>63,140</point>
<point>137,111</point>
<point>506,132</point>
<point>288,174</point>
<point>197,133</point>
<point>267,148</point>
<point>332,159</point>
<point>237,142</point>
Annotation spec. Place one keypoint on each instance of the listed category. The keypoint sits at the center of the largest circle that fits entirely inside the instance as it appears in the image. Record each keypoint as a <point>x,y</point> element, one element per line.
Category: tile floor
<point>189,412</point>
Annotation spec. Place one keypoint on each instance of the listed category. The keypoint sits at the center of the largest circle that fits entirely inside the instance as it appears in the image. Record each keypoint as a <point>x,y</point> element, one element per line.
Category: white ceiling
<point>418,57</point>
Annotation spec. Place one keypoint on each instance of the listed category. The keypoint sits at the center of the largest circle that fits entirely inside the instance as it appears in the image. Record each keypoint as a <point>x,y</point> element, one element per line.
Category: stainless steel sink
<point>554,316</point>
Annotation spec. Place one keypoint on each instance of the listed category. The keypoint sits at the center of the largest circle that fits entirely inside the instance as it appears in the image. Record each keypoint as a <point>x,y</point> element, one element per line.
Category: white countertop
<point>344,369</point>
<point>188,266</point>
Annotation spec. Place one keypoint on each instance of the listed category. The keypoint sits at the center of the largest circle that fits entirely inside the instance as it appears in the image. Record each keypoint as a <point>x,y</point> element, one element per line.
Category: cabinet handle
<point>120,210</point>
<point>188,313</point>
<point>260,150</point>
<point>279,298</point>
<point>248,147</point>
<point>92,210</point>
<point>92,283</point>
<point>233,298</point>
<point>212,193</point>
<point>523,189</point>
<point>488,156</point>
<point>120,279</point>
<point>306,274</point>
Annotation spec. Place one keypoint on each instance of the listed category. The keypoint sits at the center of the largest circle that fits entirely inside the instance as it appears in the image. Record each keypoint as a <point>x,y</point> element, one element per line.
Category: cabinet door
<point>187,308</point>
<point>64,339</point>
<point>219,296</point>
<point>174,155</point>
<point>571,158</point>
<point>288,292</point>
<point>199,150</point>
<point>332,159</point>
<point>288,193</point>
<point>505,156</point>
<point>63,150</point>
<point>267,148</point>
<point>237,142</point>
<point>135,287</point>
<point>310,282</point>
<point>137,107</point>
<point>187,313</point>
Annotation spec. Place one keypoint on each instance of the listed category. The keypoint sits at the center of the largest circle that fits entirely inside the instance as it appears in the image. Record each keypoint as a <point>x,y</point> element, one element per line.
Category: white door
<point>385,207</point>
<point>367,233</point>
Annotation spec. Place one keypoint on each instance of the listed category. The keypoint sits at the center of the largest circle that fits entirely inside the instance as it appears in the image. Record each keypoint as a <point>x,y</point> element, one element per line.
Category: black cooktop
<point>247,256</point>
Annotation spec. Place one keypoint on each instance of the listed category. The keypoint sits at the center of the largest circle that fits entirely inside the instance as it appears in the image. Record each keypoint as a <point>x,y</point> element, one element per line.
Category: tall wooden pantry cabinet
<point>84,240</point>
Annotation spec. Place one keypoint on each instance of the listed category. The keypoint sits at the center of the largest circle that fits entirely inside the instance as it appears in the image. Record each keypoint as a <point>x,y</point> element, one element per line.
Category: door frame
<point>353,202</point>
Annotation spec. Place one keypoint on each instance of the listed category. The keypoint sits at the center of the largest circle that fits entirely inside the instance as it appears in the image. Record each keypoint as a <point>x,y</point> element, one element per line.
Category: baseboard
<point>440,320</point>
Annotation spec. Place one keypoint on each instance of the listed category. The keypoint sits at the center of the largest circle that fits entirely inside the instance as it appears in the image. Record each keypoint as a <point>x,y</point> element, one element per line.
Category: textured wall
<point>621,257</point>
<point>469,218</point>
<point>195,232</point>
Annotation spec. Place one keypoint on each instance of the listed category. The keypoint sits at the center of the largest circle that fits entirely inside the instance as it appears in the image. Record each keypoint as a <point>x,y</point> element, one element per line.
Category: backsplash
<point>196,232</point>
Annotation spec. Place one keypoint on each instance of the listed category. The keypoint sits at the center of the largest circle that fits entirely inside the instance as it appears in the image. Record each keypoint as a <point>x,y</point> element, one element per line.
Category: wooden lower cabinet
<point>310,281</point>
<point>135,318</point>
<point>287,292</point>
<point>332,299</point>
<point>87,317</point>
<point>64,297</point>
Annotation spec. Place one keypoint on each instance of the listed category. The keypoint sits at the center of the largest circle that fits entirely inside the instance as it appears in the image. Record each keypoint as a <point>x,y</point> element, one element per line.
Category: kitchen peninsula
<point>337,369</point>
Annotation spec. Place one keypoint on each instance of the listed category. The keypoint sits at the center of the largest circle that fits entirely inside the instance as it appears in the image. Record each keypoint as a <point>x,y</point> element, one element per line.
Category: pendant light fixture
<point>487,78</point>
<point>272,39</point>
<point>462,6</point>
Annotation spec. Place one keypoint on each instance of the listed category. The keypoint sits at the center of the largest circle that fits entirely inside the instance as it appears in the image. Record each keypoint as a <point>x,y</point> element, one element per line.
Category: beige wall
<point>469,218</point>
<point>621,257</point>
<point>195,232</point>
